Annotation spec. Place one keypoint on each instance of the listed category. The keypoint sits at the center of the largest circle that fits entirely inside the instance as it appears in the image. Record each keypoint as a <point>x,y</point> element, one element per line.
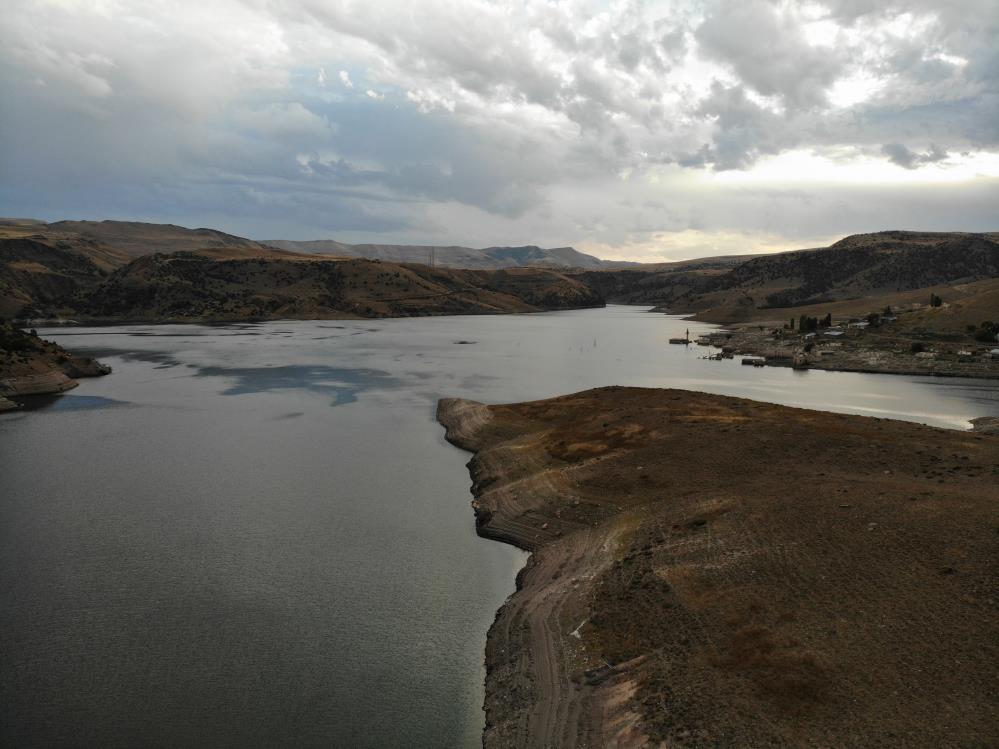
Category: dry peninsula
<point>709,571</point>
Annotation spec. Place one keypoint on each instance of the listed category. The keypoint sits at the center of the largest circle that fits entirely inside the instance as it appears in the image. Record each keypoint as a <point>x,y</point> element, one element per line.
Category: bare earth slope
<point>715,572</point>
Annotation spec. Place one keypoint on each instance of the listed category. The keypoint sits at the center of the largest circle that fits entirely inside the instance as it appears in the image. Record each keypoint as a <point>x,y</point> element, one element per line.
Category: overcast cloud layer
<point>635,130</point>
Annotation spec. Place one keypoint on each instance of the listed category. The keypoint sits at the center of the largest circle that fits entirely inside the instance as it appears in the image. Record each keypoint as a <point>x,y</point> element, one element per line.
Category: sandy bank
<point>714,572</point>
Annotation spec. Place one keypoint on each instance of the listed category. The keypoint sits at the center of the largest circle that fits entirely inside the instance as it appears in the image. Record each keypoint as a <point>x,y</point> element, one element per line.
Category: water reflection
<point>342,384</point>
<point>268,571</point>
<point>65,402</point>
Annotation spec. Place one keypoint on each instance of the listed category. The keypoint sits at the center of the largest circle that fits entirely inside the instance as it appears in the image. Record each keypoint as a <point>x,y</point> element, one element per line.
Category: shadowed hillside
<point>866,264</point>
<point>857,275</point>
<point>39,266</point>
<point>183,286</point>
<point>108,270</point>
<point>66,268</point>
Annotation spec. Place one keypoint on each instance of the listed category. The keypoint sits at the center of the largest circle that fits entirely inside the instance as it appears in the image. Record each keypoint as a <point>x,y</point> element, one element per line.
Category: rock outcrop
<point>30,365</point>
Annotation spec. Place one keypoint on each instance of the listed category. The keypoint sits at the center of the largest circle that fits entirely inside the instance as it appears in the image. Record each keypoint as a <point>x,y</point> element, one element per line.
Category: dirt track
<point>711,571</point>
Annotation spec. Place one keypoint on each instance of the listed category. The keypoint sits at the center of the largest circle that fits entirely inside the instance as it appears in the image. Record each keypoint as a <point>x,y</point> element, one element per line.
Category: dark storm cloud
<point>908,159</point>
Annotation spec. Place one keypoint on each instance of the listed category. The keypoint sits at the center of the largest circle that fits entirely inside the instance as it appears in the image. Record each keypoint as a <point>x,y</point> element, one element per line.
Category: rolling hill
<point>103,270</point>
<point>857,275</point>
<point>454,256</point>
<point>38,265</point>
<point>192,286</point>
<point>133,269</point>
<point>136,238</point>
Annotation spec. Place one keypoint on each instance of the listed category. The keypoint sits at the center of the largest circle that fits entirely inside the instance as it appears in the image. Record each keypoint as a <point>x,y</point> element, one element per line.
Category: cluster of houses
<point>842,331</point>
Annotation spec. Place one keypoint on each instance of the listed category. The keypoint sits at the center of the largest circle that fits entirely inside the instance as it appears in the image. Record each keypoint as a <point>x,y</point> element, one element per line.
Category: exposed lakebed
<point>255,535</point>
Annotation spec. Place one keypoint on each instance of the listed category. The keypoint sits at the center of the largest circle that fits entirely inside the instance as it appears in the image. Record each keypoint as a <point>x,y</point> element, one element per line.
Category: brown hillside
<point>38,269</point>
<point>198,287</point>
<point>135,238</point>
<point>876,266</point>
<point>716,572</point>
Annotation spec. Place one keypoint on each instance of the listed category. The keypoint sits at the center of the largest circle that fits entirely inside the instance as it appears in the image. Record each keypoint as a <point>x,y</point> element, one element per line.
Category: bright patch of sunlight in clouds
<point>803,167</point>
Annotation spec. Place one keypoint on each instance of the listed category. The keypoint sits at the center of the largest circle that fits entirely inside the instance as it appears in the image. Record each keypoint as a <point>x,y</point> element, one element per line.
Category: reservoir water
<point>255,535</point>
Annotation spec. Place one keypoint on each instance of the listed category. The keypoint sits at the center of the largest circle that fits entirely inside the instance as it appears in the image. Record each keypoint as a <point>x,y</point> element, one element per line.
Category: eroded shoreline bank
<point>712,571</point>
<point>31,366</point>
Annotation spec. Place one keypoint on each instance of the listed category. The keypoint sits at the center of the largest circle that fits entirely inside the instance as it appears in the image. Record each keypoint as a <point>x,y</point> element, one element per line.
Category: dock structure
<point>682,341</point>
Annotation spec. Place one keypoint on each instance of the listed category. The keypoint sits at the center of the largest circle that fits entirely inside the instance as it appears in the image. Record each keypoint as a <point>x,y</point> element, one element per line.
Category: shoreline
<point>850,354</point>
<point>530,699</point>
<point>31,366</point>
<point>102,322</point>
<point>565,661</point>
<point>54,382</point>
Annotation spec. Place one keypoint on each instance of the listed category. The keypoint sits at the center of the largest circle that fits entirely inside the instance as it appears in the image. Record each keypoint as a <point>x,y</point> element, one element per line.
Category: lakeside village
<point>889,341</point>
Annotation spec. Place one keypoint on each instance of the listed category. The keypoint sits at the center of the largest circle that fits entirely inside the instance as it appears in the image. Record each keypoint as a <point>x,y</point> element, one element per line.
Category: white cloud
<point>767,48</point>
<point>514,119</point>
<point>427,101</point>
<point>288,120</point>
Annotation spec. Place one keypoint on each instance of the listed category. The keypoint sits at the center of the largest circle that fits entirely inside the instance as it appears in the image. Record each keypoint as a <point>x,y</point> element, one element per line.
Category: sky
<point>650,131</point>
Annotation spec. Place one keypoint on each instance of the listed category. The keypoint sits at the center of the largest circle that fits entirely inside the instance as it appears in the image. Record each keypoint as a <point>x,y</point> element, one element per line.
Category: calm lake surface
<point>255,535</point>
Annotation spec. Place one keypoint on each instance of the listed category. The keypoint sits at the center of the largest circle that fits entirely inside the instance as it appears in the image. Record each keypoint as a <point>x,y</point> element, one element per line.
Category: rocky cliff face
<point>30,365</point>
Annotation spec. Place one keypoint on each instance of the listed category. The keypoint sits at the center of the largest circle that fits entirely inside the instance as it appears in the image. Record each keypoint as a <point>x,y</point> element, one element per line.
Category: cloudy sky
<point>639,130</point>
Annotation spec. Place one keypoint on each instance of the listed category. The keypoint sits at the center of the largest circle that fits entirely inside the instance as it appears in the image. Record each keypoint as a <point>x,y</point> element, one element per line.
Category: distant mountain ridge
<point>454,256</point>
<point>68,265</point>
<point>137,238</point>
<point>868,263</point>
<point>130,270</point>
<point>858,265</point>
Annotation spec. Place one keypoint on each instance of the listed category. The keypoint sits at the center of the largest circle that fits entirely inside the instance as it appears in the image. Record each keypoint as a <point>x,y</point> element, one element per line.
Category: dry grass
<point>780,577</point>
